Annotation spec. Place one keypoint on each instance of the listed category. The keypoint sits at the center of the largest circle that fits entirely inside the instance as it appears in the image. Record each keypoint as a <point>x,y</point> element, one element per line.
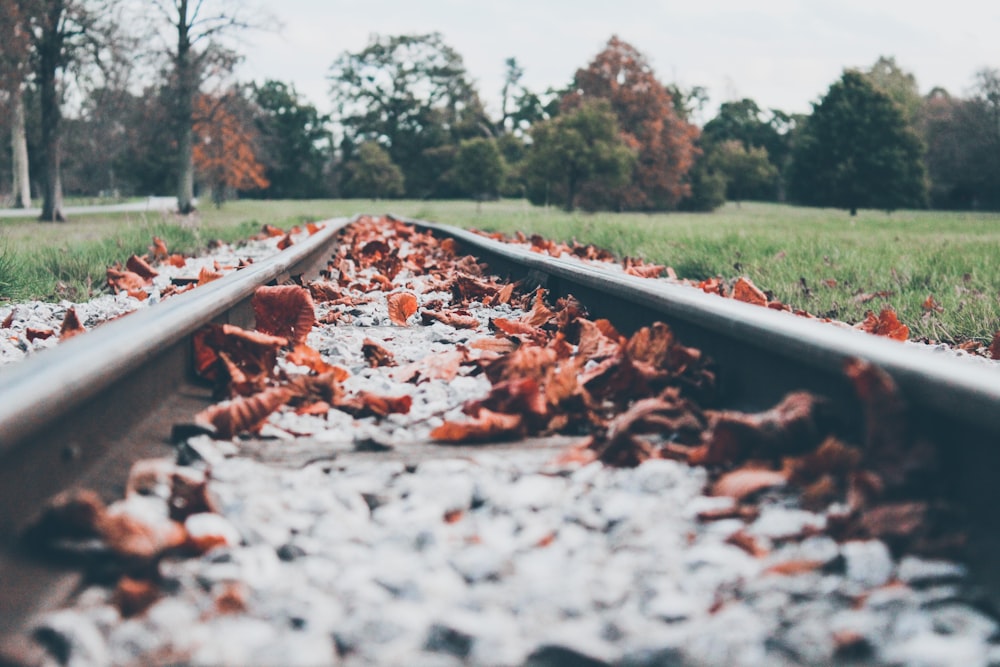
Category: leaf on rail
<point>886,324</point>
<point>284,310</point>
<point>744,290</point>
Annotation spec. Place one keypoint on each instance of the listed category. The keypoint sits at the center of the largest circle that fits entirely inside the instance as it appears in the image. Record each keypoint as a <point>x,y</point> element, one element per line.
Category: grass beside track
<point>820,260</point>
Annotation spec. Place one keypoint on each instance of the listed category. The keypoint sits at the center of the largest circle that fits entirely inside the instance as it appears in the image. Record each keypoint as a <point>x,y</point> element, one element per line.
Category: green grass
<point>785,250</point>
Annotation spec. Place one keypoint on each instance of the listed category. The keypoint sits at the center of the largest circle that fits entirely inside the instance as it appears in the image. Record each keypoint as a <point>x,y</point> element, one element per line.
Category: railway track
<point>80,415</point>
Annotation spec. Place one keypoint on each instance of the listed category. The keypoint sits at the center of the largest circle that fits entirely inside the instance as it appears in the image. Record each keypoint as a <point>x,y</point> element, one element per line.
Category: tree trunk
<point>50,46</point>
<point>184,70</point>
<point>19,152</point>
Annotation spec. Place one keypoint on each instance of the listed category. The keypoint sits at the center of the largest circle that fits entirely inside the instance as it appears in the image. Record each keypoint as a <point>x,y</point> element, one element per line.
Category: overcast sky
<point>782,53</point>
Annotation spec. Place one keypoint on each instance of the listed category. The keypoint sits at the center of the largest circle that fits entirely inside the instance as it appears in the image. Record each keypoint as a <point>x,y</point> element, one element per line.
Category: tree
<point>196,52</point>
<point>749,173</point>
<point>294,141</point>
<point>574,150</point>
<point>963,145</point>
<point>900,86</point>
<point>411,94</point>
<point>856,150</point>
<point>479,168</point>
<point>65,36</point>
<point>224,152</point>
<point>647,117</point>
<point>372,174</point>
<point>14,62</point>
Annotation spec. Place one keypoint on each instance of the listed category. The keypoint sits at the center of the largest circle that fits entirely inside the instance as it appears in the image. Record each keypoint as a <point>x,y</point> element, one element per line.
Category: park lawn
<point>819,260</point>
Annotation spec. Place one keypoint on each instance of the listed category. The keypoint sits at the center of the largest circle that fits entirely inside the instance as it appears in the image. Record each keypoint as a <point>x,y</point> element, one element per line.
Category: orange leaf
<point>486,426</point>
<point>401,306</point>
<point>376,354</point>
<point>286,242</point>
<point>460,319</point>
<point>141,267</point>
<point>71,325</point>
<point>744,482</point>
<point>243,414</point>
<point>745,290</point>
<point>132,537</point>
<point>501,345</point>
<point>134,596</point>
<point>886,324</point>
<point>9,320</point>
<point>177,261</point>
<point>124,281</point>
<point>303,355</point>
<point>539,313</point>
<point>793,567</point>
<point>930,304</point>
<point>207,275</point>
<point>33,334</point>
<point>158,249</point>
<point>284,310</point>
<point>365,403</point>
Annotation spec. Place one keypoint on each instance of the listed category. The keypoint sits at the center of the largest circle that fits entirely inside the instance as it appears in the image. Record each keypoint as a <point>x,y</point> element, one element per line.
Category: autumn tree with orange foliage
<point>648,120</point>
<point>225,152</point>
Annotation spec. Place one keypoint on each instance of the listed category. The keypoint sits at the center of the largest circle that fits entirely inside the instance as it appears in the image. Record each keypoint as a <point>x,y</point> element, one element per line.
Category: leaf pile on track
<point>741,288</point>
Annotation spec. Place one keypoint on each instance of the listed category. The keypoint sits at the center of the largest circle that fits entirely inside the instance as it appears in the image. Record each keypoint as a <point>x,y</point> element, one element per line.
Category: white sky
<point>782,53</point>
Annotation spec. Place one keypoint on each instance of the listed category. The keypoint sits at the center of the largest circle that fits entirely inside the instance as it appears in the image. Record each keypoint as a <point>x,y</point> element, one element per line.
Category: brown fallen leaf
<point>284,310</point>
<point>376,354</point>
<point>460,319</point>
<point>303,355</point>
<point>159,249</point>
<point>243,415</point>
<point>886,324</point>
<point>744,482</point>
<point>9,320</point>
<point>995,346</point>
<point>33,334</point>
<point>134,596</point>
<point>141,267</point>
<point>485,426</point>
<point>131,537</point>
<point>71,325</point>
<point>401,306</point>
<point>744,290</point>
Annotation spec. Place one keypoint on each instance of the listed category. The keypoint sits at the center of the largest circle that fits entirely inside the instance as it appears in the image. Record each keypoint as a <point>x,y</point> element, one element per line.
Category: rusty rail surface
<point>82,413</point>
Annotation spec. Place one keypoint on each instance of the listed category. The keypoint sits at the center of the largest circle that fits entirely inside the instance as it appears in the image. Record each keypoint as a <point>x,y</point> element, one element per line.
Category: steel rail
<point>83,412</point>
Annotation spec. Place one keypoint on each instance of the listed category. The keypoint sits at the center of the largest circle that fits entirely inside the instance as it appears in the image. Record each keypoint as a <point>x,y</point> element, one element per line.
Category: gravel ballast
<point>351,540</point>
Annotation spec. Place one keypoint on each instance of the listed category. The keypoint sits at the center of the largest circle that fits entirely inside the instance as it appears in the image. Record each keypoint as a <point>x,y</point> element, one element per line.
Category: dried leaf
<point>284,310</point>
<point>134,538</point>
<point>365,404</point>
<point>460,319</point>
<point>9,320</point>
<point>134,596</point>
<point>159,249</point>
<point>930,305</point>
<point>886,324</point>
<point>744,482</point>
<point>207,275</point>
<point>994,346</point>
<point>539,313</point>
<point>748,543</point>
<point>71,325</point>
<point>376,355</point>
<point>125,281</point>
<point>243,415</point>
<point>796,424</point>
<point>485,426</point>
<point>401,306</point>
<point>33,334</point>
<point>141,267</point>
<point>744,290</point>
<point>303,355</point>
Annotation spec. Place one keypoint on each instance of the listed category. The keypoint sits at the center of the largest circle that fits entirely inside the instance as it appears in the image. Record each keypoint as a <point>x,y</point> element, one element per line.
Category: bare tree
<point>14,45</point>
<point>197,51</point>
<point>68,40</point>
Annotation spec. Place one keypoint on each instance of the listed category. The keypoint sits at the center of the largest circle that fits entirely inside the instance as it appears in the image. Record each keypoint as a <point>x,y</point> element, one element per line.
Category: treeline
<point>407,121</point>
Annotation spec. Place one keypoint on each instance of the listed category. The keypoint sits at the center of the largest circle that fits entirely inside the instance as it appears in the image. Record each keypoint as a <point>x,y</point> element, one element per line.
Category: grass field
<point>820,260</point>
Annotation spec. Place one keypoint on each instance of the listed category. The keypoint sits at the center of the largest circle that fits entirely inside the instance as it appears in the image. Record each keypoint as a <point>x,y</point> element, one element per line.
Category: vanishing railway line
<point>81,414</point>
